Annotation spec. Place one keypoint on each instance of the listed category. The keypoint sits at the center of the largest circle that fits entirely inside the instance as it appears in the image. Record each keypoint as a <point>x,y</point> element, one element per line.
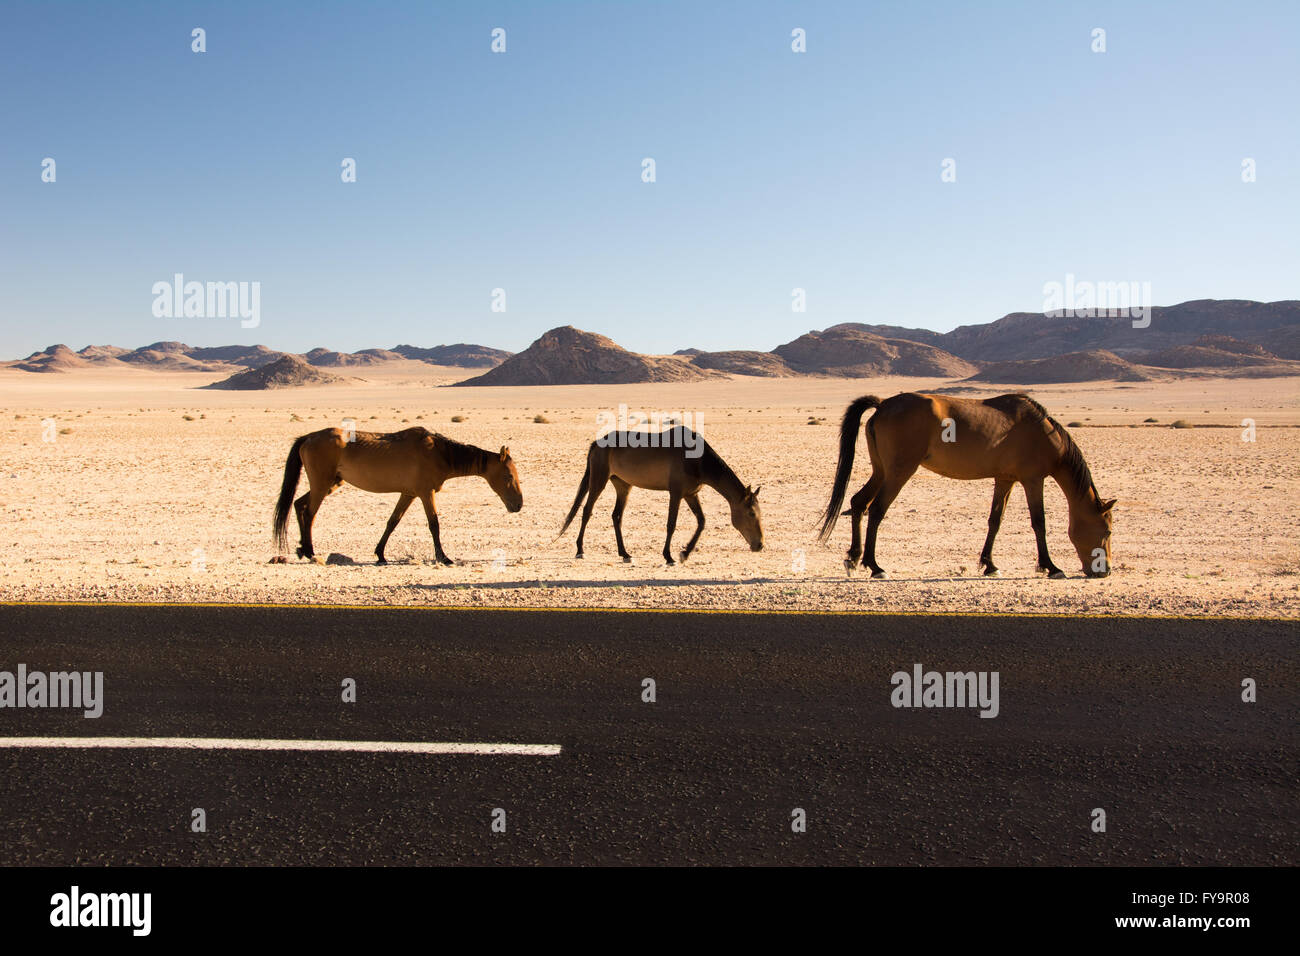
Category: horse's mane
<point>460,456</point>
<point>1072,457</point>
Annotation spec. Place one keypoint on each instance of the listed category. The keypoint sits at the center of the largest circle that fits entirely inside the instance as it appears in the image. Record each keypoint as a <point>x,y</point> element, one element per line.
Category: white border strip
<point>234,743</point>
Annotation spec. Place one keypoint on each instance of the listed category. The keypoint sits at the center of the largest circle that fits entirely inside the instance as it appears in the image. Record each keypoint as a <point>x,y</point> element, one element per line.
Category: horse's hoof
<point>578,556</point>
<point>992,572</point>
<point>880,574</point>
<point>1057,574</point>
<point>683,556</point>
<point>627,558</point>
<point>669,561</point>
<point>849,565</point>
<point>381,561</point>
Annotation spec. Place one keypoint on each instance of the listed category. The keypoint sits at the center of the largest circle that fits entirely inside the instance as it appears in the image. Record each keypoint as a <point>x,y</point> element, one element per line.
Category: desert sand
<point>153,489</point>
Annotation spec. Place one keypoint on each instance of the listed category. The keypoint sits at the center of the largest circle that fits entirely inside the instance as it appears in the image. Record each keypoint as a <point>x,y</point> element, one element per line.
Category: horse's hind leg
<point>1001,489</point>
<point>596,481</point>
<point>857,505</point>
<point>403,503</point>
<point>304,529</point>
<point>693,502</point>
<point>1037,518</point>
<point>890,486</point>
<point>307,514</point>
<point>621,488</point>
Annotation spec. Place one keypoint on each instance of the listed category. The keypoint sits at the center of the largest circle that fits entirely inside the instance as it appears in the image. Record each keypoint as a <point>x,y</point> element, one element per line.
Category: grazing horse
<point>412,463</point>
<point>1010,439</point>
<point>658,461</point>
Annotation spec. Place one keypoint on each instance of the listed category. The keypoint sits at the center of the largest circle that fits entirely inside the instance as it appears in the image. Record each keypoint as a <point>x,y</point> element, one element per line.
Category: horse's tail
<point>848,443</point>
<point>292,471</point>
<point>577,501</point>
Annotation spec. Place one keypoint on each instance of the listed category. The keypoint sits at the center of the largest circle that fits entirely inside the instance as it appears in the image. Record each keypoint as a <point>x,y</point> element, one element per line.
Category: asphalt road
<point>756,715</point>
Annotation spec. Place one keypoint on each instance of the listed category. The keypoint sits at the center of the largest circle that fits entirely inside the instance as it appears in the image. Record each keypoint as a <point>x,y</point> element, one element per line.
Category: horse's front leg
<point>693,502</point>
<point>1038,519</point>
<point>674,503</point>
<point>432,514</point>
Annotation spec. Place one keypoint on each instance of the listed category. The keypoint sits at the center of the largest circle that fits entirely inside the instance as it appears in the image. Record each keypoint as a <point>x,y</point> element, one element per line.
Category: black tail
<point>848,444</point>
<point>577,502</point>
<point>292,470</point>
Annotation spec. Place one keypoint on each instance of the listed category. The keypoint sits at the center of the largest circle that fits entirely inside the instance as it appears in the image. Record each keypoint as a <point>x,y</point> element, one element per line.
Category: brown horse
<point>412,463</point>
<point>629,458</point>
<point>1010,439</point>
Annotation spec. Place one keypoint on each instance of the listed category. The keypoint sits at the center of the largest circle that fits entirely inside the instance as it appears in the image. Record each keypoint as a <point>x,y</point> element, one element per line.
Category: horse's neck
<point>718,475</point>
<point>465,461</point>
<point>1079,500</point>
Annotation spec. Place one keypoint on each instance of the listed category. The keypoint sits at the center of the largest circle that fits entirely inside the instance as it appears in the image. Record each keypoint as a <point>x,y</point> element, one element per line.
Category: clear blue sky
<point>523,171</point>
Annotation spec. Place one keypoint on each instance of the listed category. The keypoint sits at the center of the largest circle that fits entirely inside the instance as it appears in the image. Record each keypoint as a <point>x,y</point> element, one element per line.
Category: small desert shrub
<point>457,418</point>
<point>1074,424</point>
<point>1181,423</point>
<point>1148,421</point>
<point>541,420</point>
<point>188,418</point>
<point>65,431</point>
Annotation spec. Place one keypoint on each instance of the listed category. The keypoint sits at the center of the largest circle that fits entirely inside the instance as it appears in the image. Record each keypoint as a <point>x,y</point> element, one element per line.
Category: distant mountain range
<point>177,356</point>
<point>1228,337</point>
<point>1032,335</point>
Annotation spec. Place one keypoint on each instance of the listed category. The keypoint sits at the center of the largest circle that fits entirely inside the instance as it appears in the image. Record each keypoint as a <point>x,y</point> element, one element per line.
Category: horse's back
<point>655,461</point>
<point>965,438</point>
<point>388,462</point>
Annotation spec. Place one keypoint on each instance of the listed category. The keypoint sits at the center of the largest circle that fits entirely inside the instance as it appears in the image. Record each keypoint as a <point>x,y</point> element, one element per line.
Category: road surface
<point>756,716</point>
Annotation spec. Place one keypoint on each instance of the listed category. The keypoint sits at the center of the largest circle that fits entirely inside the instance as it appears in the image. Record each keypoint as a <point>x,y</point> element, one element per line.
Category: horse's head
<point>1090,535</point>
<point>747,518</point>
<point>504,480</point>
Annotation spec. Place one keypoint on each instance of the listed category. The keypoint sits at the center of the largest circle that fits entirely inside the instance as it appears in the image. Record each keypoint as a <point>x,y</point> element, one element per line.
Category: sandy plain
<point>153,489</point>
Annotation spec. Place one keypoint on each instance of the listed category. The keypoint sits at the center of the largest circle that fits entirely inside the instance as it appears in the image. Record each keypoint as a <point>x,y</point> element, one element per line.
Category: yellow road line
<point>772,612</point>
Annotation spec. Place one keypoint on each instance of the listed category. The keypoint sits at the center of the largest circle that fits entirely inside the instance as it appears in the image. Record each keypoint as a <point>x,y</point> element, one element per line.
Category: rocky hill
<point>852,353</point>
<point>288,371</point>
<point>569,356</point>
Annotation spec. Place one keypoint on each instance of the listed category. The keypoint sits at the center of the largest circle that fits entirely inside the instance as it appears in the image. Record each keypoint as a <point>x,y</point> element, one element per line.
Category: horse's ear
<point>1107,505</point>
<point>505,452</point>
<point>754,493</point>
